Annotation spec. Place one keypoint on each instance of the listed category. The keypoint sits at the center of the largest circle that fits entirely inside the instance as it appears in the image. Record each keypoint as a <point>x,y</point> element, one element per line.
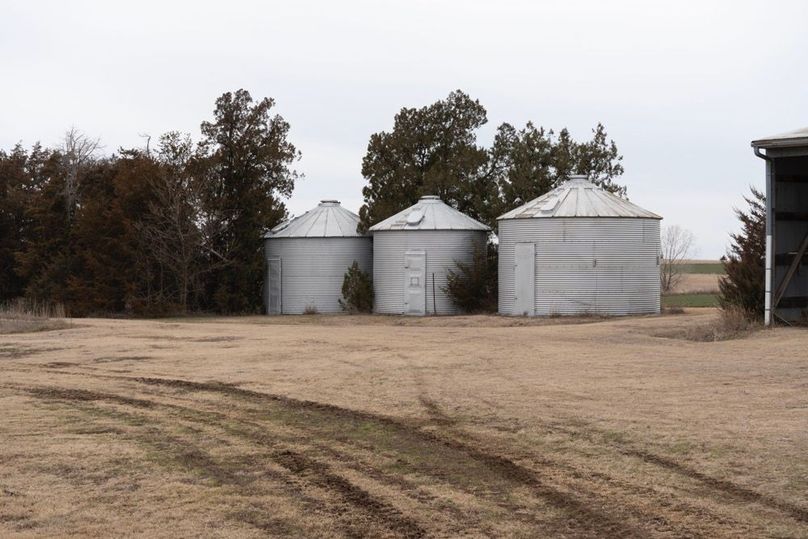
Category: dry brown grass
<point>387,427</point>
<point>697,283</point>
<point>23,316</point>
<point>732,323</point>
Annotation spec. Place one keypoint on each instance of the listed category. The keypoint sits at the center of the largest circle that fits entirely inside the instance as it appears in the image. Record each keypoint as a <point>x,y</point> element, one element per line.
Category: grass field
<point>698,285</point>
<point>703,267</point>
<point>342,426</point>
<point>690,300</point>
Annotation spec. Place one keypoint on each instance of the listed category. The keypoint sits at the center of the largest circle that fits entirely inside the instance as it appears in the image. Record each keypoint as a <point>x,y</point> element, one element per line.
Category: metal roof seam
<point>578,198</point>
<point>328,219</point>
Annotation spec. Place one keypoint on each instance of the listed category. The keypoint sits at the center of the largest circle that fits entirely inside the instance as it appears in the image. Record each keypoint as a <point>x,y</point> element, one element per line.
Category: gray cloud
<point>682,88</point>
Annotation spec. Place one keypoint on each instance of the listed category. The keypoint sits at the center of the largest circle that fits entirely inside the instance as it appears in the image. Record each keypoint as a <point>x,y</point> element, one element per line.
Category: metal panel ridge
<point>437,215</point>
<point>328,220</point>
<point>578,197</point>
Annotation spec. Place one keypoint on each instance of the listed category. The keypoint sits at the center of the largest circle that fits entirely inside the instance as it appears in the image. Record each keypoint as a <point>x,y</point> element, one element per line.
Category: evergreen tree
<point>529,162</point>
<point>243,164</point>
<point>19,177</point>
<point>431,150</point>
<point>434,150</point>
<point>744,284</point>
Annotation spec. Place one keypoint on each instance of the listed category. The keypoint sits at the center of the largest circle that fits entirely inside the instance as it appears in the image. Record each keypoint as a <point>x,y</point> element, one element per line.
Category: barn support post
<point>769,262</point>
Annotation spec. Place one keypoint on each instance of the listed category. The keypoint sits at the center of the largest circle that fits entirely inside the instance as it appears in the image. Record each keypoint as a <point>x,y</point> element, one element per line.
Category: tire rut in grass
<point>586,520</point>
<point>720,486</point>
<point>727,487</point>
<point>320,474</point>
<point>192,458</point>
<point>58,393</point>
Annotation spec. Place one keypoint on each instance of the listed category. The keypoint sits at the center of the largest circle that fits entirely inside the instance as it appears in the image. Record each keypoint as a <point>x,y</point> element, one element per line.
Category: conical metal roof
<point>429,213</point>
<point>578,197</point>
<point>328,220</point>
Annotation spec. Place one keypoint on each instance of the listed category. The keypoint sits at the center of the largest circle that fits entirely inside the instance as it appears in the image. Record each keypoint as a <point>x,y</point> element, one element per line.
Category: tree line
<point>150,231</point>
<point>177,225</point>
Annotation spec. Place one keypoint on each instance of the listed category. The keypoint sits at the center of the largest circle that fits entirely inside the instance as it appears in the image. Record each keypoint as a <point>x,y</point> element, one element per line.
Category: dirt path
<point>388,427</point>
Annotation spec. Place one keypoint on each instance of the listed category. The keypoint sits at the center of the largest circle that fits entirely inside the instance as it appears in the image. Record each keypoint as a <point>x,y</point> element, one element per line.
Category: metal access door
<point>524,279</point>
<point>415,282</point>
<point>274,305</point>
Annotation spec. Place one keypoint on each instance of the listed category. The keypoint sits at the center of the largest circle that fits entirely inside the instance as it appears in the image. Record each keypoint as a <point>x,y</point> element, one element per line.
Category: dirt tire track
<point>193,458</point>
<point>320,474</point>
<point>587,520</point>
<point>57,393</point>
<point>506,467</point>
<point>727,487</point>
<point>591,520</point>
<point>722,486</point>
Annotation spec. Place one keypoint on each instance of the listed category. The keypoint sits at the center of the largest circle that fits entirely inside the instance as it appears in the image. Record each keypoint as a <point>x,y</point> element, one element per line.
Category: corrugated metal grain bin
<point>412,253</point>
<point>307,258</point>
<point>579,250</point>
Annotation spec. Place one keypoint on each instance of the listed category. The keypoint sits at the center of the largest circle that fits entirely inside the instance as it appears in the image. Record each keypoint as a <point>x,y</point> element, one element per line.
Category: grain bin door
<point>415,282</point>
<point>524,279</point>
<point>274,305</point>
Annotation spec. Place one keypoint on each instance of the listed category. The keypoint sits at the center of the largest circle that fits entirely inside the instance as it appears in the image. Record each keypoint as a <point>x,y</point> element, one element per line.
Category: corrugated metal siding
<point>442,247</point>
<point>313,269</point>
<point>598,266</point>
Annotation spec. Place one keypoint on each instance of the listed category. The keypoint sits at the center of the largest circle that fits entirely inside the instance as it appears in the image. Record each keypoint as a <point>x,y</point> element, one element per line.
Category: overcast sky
<point>682,89</point>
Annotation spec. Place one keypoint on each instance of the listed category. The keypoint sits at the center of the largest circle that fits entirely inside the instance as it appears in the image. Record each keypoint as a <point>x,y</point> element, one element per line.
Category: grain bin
<point>412,253</point>
<point>578,250</point>
<point>307,258</point>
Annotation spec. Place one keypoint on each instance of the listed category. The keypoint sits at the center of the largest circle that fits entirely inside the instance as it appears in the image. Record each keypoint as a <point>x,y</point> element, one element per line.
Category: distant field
<point>710,267</point>
<point>690,300</point>
<point>698,286</point>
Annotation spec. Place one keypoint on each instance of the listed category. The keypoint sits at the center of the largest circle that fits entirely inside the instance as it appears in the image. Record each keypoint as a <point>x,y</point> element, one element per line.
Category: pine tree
<point>743,286</point>
<point>431,150</point>
<point>244,166</point>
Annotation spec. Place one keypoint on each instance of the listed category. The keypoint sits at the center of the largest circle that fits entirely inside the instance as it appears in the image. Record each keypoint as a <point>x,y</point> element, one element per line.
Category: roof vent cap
<point>580,180</point>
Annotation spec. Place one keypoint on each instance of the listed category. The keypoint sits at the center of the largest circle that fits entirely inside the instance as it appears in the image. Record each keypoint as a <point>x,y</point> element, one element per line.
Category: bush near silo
<point>473,287</point>
<point>357,291</point>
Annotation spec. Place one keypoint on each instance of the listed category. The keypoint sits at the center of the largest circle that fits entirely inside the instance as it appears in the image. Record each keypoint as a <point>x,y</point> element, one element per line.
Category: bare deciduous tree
<point>77,151</point>
<point>170,227</point>
<point>677,246</point>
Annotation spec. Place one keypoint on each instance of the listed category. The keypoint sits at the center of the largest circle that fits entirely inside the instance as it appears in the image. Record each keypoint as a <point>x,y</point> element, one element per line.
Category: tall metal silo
<point>412,253</point>
<point>307,258</point>
<point>579,250</point>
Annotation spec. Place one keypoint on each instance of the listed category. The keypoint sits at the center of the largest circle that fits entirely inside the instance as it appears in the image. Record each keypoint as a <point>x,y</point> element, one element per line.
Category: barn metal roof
<point>429,213</point>
<point>328,220</point>
<point>790,139</point>
<point>578,197</point>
